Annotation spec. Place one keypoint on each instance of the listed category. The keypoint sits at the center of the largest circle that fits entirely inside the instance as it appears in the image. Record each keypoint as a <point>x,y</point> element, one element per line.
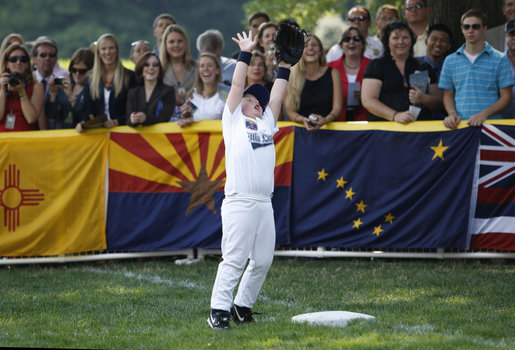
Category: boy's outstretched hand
<point>245,42</point>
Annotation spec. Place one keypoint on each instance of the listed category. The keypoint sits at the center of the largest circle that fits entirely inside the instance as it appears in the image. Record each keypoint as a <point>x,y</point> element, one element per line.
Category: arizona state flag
<point>52,192</point>
<point>166,186</point>
<point>393,187</point>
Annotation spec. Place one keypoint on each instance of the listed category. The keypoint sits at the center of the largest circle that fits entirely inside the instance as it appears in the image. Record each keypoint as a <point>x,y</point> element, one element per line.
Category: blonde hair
<point>121,78</point>
<point>7,41</point>
<point>199,84</point>
<point>298,77</point>
<point>164,57</point>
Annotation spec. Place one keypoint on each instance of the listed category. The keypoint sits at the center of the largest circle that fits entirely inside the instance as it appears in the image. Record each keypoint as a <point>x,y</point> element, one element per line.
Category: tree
<point>449,13</point>
<point>306,13</point>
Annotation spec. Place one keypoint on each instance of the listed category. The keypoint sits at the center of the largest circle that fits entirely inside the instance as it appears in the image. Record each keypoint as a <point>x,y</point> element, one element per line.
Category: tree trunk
<point>449,13</point>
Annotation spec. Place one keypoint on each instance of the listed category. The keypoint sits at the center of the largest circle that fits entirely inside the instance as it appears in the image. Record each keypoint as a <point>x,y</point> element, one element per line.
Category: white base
<point>330,318</point>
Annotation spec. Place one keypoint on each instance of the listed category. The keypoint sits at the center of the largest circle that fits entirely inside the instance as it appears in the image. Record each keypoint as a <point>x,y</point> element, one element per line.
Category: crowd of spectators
<point>409,70</point>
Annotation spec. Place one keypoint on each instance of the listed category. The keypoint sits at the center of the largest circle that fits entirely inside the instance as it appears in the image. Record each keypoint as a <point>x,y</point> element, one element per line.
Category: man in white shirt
<point>359,16</point>
<point>416,13</point>
<point>54,79</point>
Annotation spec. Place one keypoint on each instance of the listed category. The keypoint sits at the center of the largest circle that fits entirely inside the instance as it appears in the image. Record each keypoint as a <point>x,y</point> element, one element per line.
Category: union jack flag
<point>493,203</point>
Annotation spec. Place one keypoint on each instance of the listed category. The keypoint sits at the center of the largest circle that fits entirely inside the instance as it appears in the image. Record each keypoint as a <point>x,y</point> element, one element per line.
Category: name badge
<point>9,123</point>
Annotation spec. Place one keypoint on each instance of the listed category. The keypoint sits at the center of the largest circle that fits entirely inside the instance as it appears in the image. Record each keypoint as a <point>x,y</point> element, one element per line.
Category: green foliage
<point>78,23</point>
<point>306,13</point>
<point>309,12</point>
<point>160,305</point>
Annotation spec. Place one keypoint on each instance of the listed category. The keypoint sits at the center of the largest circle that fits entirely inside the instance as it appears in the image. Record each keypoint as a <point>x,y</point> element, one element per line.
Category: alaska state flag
<point>385,187</point>
<point>493,199</point>
<point>166,186</point>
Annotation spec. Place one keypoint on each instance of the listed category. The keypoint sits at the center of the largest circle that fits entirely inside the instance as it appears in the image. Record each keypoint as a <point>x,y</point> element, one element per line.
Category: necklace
<point>346,65</point>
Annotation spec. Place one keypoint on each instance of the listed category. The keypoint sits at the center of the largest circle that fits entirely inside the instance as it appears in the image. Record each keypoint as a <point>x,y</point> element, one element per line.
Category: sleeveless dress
<point>13,106</point>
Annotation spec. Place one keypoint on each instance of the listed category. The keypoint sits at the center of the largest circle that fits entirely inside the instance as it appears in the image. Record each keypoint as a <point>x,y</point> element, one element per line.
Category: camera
<point>271,48</point>
<point>312,117</point>
<point>14,79</point>
<point>58,80</point>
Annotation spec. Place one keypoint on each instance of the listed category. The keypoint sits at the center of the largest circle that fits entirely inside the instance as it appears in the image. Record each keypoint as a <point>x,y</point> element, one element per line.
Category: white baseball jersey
<point>249,153</point>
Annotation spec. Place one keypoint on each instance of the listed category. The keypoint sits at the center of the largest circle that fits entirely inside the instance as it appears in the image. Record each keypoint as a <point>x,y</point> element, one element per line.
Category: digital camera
<point>312,117</point>
<point>14,79</point>
<point>58,80</point>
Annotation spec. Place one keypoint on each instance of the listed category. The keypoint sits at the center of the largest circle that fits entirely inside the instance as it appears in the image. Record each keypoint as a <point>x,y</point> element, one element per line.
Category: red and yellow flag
<point>52,190</point>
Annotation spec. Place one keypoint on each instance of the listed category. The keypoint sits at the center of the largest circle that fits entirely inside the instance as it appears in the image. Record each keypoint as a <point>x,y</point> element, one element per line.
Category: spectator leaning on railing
<point>151,101</point>
<point>476,79</point>
<point>205,101</point>
<point>314,94</point>
<point>108,83</point>
<point>351,66</point>
<point>387,92</point>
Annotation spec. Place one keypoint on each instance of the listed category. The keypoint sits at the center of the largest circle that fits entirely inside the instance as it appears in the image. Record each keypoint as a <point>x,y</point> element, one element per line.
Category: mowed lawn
<point>156,304</point>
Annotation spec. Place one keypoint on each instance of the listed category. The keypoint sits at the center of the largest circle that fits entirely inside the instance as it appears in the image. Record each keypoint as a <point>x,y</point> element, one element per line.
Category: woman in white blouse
<point>206,101</point>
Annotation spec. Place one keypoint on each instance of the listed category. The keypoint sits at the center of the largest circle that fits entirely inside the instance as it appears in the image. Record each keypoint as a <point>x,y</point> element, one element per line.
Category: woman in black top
<point>107,84</point>
<point>313,89</point>
<point>151,102</point>
<point>386,83</point>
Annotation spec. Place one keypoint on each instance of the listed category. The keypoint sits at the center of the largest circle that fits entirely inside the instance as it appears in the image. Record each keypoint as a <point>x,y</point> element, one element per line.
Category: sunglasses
<point>22,59</point>
<point>417,6</point>
<point>154,64</point>
<point>356,39</point>
<point>357,18</point>
<point>80,71</point>
<point>134,43</point>
<point>44,55</point>
<point>474,26</point>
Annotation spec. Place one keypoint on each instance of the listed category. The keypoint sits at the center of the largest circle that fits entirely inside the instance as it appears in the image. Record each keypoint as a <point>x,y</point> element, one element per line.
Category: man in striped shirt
<point>476,79</point>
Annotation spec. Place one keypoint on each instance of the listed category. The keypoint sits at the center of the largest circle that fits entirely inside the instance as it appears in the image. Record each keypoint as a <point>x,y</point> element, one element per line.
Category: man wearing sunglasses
<point>359,16</point>
<point>54,78</point>
<point>476,79</point>
<point>416,13</point>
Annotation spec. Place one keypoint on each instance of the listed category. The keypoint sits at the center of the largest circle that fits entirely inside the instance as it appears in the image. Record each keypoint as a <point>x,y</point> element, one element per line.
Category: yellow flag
<point>52,190</point>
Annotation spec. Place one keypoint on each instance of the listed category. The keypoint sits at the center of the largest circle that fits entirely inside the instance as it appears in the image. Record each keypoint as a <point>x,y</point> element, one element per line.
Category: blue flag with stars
<point>381,188</point>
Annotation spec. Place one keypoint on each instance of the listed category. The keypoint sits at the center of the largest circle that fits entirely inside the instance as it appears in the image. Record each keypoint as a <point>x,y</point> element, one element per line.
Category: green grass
<point>160,305</point>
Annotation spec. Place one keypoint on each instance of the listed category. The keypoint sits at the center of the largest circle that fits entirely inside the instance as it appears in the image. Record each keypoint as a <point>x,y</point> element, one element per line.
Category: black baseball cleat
<point>219,319</point>
<point>241,314</point>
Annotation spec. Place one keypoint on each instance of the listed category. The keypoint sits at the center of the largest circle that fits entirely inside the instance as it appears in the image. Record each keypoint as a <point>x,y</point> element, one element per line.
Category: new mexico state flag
<point>52,190</point>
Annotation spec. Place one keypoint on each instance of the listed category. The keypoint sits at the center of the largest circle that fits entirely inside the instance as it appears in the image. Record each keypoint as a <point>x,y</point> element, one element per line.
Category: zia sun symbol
<point>12,197</point>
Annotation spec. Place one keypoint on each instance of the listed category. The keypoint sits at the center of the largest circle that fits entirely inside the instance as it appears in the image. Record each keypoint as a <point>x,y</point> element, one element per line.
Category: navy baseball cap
<point>260,92</point>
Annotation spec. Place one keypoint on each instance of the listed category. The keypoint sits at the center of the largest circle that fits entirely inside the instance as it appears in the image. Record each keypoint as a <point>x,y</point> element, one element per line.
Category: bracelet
<point>394,114</point>
<point>282,73</point>
<point>245,57</point>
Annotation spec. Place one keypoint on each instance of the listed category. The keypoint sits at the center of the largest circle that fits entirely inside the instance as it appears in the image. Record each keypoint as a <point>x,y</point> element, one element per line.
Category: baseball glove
<point>289,43</point>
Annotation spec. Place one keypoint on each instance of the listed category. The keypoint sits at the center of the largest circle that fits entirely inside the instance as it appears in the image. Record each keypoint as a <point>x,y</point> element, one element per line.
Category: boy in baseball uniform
<point>249,123</point>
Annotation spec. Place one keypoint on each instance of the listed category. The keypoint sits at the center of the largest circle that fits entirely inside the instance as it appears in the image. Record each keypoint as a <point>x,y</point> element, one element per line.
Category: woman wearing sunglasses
<point>151,101</point>
<point>80,64</point>
<point>389,82</point>
<point>21,98</point>
<point>351,67</point>
<point>314,92</point>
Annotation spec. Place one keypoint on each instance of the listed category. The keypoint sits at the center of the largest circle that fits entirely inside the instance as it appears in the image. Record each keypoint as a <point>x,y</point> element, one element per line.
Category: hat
<point>510,26</point>
<point>260,92</point>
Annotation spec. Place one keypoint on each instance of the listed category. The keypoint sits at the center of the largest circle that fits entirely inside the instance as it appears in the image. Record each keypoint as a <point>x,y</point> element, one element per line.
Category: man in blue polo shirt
<point>476,79</point>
